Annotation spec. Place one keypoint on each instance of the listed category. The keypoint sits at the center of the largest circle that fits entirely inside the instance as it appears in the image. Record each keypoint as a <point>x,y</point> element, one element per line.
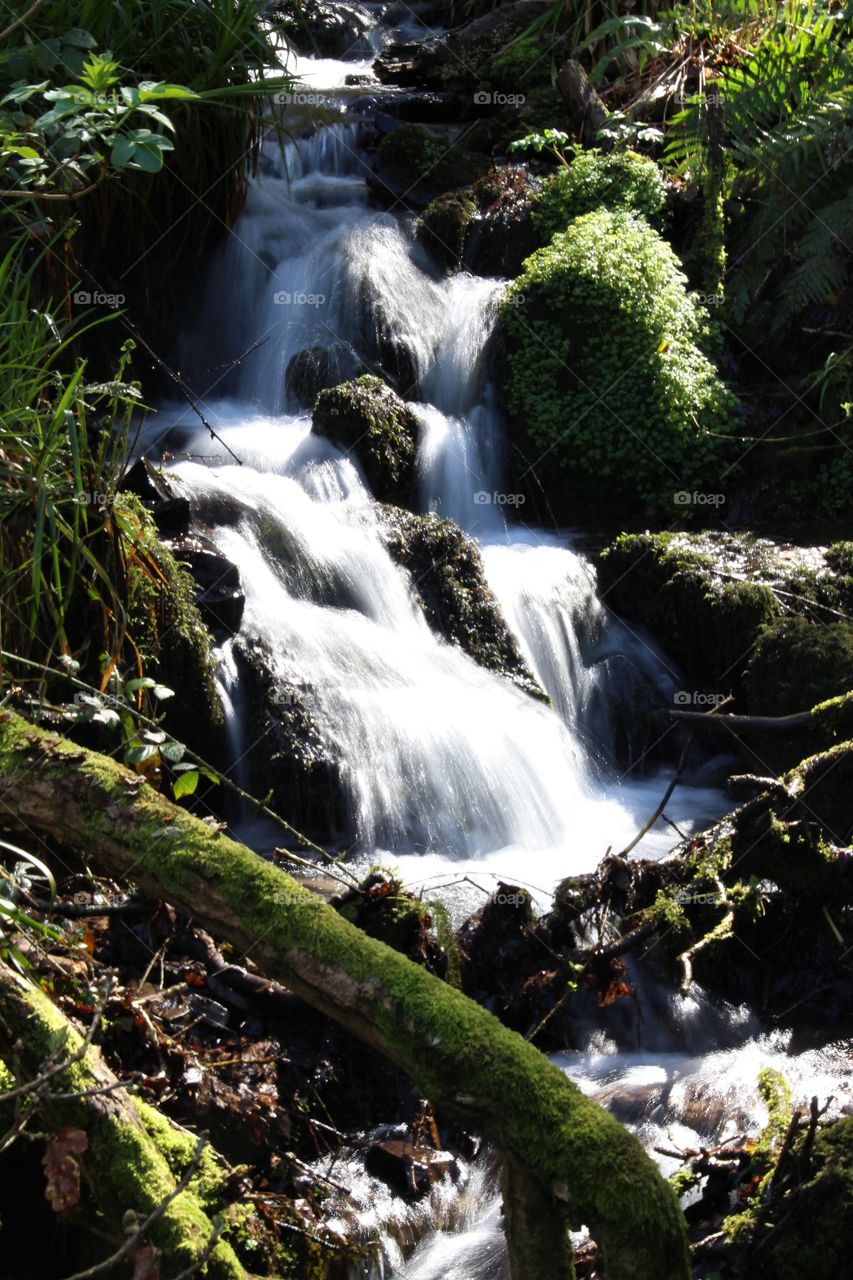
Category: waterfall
<point>449,768</point>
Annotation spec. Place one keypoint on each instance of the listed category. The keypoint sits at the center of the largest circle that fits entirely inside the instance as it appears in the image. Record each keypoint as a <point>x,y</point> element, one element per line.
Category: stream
<point>452,774</point>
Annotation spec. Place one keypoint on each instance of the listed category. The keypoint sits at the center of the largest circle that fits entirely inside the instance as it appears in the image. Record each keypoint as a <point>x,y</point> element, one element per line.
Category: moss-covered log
<point>123,1163</point>
<point>586,1168</point>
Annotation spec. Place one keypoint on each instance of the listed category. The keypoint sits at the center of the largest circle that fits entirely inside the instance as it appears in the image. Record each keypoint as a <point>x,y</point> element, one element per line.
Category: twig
<point>133,1240</point>
<point>674,781</point>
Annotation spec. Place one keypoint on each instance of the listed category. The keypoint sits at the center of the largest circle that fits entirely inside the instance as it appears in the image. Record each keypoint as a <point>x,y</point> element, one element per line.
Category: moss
<point>127,1170</point>
<point>594,180</point>
<point>776,1095</point>
<point>445,224</point>
<point>366,417</point>
<point>523,66</point>
<point>486,226</point>
<point>798,664</point>
<point>839,557</point>
<point>463,1059</point>
<point>599,322</point>
<point>172,640</point>
<point>706,624</point>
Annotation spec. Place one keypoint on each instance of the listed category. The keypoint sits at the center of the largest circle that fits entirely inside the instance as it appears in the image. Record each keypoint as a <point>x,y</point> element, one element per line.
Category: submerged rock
<point>370,420</point>
<point>450,581</point>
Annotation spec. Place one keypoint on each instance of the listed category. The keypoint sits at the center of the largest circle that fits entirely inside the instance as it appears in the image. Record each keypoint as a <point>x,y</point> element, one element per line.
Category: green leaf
<point>186,784</point>
<point>138,755</point>
<point>161,692</point>
<point>143,682</point>
<point>151,91</point>
<point>23,92</point>
<point>79,38</point>
<point>121,156</point>
<point>172,751</point>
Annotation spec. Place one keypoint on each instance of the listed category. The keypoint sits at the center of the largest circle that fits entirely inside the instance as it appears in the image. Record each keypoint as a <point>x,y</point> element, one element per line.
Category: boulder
<point>446,565</point>
<point>368,419</point>
<point>415,164</point>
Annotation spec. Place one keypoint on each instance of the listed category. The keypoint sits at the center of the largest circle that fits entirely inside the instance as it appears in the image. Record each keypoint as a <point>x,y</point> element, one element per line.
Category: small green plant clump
<point>593,180</point>
<point>608,371</point>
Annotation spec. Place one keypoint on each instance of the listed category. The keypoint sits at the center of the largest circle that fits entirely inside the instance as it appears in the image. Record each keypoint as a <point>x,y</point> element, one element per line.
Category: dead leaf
<point>62,1170</point>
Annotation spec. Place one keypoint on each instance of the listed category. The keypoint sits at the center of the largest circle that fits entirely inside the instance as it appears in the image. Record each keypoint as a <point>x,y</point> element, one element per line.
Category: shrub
<point>623,180</point>
<point>607,372</point>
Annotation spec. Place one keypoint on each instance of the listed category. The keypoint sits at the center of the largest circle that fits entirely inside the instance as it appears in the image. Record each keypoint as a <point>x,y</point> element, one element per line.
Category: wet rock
<point>424,107</point>
<point>326,29</point>
<point>447,570</point>
<point>705,622</point>
<point>170,511</point>
<point>457,58</point>
<point>369,419</point>
<point>286,755</point>
<point>310,371</point>
<point>409,1170</point>
<point>219,597</point>
<point>486,227</point>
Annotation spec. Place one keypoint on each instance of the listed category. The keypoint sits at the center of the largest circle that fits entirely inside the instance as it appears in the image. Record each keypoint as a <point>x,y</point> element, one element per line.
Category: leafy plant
<point>608,371</point>
<point>28,878</point>
<point>593,180</point>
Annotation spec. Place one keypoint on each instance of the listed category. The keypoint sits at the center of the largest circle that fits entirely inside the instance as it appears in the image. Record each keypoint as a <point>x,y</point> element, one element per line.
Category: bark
<point>582,1165</point>
<point>122,1164</point>
<point>733,723</point>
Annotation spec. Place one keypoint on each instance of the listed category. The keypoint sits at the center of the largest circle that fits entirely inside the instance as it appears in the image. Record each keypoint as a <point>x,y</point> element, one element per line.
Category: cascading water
<point>448,767</point>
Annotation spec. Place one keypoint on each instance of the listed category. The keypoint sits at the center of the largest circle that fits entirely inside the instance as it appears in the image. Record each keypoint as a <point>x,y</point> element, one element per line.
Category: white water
<point>449,769</point>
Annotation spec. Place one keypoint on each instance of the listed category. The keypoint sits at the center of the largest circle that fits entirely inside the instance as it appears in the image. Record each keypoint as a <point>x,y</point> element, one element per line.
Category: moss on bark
<point>463,1059</point>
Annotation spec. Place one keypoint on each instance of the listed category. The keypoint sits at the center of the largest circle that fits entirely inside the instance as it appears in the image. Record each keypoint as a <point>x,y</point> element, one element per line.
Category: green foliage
<point>788,108</point>
<point>607,364</point>
<point>620,180</point>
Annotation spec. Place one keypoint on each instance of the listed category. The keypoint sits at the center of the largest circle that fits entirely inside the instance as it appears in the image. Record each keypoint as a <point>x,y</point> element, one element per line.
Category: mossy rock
<point>522,68</point>
<point>368,419</point>
<point>798,664</point>
<point>450,581</point>
<point>486,227</point>
<point>595,180</point>
<point>609,378</point>
<point>415,164</point>
<point>706,623</point>
<point>392,914</point>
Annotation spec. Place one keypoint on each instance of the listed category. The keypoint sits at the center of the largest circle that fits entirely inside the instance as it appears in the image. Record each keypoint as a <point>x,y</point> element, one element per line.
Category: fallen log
<point>570,1162</point>
<point>123,1164</point>
<point>736,723</point>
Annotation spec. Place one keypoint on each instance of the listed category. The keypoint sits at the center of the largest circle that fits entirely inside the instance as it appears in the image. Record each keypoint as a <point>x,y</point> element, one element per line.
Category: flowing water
<point>450,770</point>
